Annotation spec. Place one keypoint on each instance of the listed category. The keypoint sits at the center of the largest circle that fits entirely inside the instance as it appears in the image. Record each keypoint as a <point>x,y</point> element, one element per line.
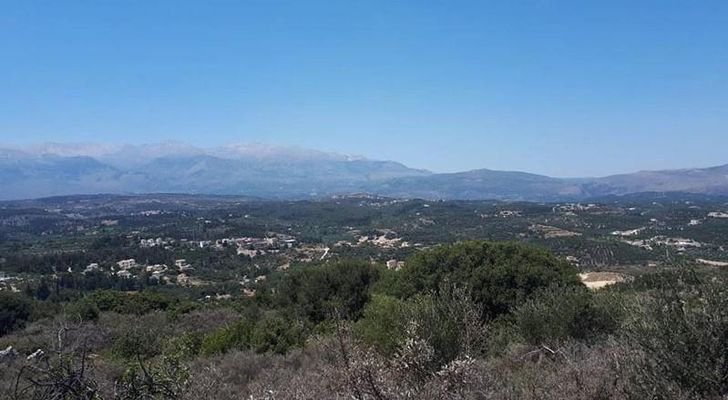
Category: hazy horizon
<point>102,151</point>
<point>555,88</point>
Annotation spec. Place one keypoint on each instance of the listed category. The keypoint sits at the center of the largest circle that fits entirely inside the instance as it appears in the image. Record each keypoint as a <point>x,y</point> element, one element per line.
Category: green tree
<point>15,311</point>
<point>319,292</point>
<point>42,291</point>
<point>500,276</point>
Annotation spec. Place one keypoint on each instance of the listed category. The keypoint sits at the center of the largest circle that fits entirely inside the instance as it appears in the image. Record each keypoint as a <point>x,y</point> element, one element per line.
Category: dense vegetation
<point>462,319</point>
<point>473,319</point>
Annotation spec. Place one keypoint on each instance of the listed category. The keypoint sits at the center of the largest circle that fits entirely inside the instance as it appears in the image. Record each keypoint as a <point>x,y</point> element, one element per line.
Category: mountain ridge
<point>296,173</point>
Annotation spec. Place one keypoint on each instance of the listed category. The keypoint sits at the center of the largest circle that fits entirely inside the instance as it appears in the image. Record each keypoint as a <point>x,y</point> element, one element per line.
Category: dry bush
<point>330,368</point>
<point>573,371</point>
<point>679,337</point>
<point>67,346</point>
<point>409,374</point>
<point>339,367</point>
<point>165,378</point>
<point>119,324</point>
<point>204,321</point>
<point>8,374</point>
<point>303,373</point>
<point>434,360</point>
<point>60,371</point>
<point>68,368</point>
<point>39,334</point>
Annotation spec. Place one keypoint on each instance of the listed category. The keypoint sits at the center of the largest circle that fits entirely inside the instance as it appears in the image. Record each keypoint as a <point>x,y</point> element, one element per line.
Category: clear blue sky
<point>564,88</point>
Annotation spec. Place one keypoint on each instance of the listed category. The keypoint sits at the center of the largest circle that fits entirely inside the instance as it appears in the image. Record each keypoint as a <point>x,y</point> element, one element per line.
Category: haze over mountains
<point>295,173</point>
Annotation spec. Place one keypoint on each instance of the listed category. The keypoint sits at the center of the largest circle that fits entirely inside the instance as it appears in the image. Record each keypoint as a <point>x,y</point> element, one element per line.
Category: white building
<point>394,264</point>
<point>126,264</point>
<point>91,267</point>
<point>156,268</point>
<point>124,274</point>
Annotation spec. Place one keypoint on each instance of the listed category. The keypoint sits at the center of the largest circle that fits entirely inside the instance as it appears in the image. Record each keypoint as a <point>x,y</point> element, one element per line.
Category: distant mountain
<point>706,180</point>
<point>254,170</point>
<point>294,173</point>
<point>23,176</point>
<point>506,185</point>
<point>481,184</point>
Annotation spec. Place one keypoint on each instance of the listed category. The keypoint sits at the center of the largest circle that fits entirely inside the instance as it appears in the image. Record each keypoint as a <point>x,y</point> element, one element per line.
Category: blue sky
<point>566,88</point>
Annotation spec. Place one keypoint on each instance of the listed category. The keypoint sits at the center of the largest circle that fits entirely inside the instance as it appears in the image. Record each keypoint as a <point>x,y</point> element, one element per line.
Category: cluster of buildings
<point>250,246</point>
<point>629,232</point>
<point>679,244</point>
<point>158,242</point>
<point>573,207</point>
<point>149,213</point>
<point>8,282</point>
<point>718,214</point>
<point>275,242</point>
<point>125,268</point>
<point>129,268</point>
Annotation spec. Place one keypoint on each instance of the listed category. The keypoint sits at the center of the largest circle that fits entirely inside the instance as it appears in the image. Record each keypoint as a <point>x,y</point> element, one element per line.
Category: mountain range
<point>294,173</point>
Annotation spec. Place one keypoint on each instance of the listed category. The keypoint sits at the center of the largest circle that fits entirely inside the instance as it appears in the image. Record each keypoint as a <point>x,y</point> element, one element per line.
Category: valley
<point>224,239</point>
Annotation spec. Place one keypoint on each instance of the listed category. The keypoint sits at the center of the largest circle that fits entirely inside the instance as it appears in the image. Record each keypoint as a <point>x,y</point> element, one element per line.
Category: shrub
<point>383,323</point>
<point>136,342</point>
<point>577,371</point>
<point>83,310</point>
<point>562,312</point>
<point>163,378</point>
<point>276,334</point>
<point>237,335</point>
<point>270,332</point>
<point>182,308</point>
<point>663,280</point>
<point>183,347</point>
<point>681,337</point>
<point>131,303</point>
<point>448,323</point>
